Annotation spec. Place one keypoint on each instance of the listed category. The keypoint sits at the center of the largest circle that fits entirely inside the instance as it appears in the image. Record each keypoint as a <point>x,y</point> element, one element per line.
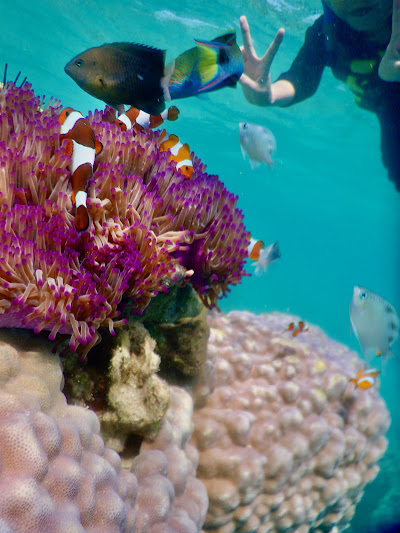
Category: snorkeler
<point>360,41</point>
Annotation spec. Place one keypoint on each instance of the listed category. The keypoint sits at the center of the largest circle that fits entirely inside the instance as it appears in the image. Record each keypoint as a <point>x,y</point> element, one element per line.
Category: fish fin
<point>228,38</point>
<point>98,147</point>
<point>165,80</point>
<point>69,147</point>
<point>254,164</point>
<point>208,65</point>
<point>243,152</point>
<point>120,108</point>
<point>154,56</point>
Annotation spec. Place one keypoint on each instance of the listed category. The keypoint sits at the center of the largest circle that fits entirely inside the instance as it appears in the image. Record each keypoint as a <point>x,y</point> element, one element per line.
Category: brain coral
<point>286,442</point>
<point>145,218</point>
<point>56,473</point>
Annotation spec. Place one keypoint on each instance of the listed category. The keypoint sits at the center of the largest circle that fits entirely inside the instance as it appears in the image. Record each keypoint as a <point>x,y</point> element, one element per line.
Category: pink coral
<point>56,473</point>
<point>179,505</point>
<point>286,442</point>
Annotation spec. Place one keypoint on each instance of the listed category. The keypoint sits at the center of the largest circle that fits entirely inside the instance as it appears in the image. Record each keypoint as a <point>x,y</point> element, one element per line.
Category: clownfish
<point>254,249</point>
<point>179,152</point>
<point>296,327</point>
<point>366,378</point>
<point>82,147</point>
<point>135,118</point>
<point>262,256</point>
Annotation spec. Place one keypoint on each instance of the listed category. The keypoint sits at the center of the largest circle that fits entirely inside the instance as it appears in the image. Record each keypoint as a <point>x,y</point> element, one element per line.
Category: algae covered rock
<point>177,321</point>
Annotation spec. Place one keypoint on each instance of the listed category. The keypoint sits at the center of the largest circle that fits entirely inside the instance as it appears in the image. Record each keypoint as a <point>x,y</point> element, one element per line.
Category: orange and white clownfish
<point>82,147</point>
<point>135,118</point>
<point>179,153</point>
<point>261,255</point>
<point>254,249</point>
<point>296,327</point>
<point>365,379</point>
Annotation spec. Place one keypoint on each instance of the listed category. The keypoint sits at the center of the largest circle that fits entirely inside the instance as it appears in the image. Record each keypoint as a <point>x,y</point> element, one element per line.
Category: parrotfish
<point>258,142</point>
<point>82,147</point>
<point>135,118</point>
<point>365,379</point>
<point>208,66</point>
<point>374,322</point>
<point>179,153</point>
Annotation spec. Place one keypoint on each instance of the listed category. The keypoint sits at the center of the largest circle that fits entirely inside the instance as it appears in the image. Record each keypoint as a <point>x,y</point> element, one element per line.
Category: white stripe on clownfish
<point>135,118</point>
<point>82,147</point>
<point>180,153</point>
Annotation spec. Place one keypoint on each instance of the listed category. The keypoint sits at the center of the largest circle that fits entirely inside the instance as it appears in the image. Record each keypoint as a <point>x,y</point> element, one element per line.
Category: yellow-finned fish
<point>210,65</point>
<point>374,322</point>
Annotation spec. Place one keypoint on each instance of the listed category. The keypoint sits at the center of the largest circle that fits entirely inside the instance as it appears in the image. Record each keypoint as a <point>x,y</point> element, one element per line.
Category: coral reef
<point>56,473</point>
<point>149,226</point>
<point>177,321</point>
<point>137,398</point>
<point>179,505</point>
<point>286,442</point>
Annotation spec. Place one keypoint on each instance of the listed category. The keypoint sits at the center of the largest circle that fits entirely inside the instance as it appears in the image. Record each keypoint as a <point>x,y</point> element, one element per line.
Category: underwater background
<point>327,201</point>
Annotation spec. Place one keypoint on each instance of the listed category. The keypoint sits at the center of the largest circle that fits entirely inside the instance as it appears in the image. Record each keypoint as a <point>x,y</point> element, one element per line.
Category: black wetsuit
<point>354,60</point>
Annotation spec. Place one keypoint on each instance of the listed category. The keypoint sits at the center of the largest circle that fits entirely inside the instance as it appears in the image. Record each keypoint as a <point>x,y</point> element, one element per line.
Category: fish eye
<point>79,62</point>
<point>363,295</point>
<point>245,126</point>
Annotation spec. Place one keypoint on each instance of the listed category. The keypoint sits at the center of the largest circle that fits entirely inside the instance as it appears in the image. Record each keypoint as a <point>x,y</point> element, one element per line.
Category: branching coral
<point>145,218</point>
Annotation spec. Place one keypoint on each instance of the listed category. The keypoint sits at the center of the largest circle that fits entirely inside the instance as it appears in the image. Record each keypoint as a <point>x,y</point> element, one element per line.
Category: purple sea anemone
<point>145,220</point>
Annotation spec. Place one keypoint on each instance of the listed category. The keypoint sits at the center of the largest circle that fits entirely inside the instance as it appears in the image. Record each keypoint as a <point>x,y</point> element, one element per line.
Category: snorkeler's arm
<point>256,79</point>
<point>389,67</point>
<point>306,70</point>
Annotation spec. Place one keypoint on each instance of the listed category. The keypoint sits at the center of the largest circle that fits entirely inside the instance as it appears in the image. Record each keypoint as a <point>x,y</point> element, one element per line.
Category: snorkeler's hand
<point>389,67</point>
<point>256,79</point>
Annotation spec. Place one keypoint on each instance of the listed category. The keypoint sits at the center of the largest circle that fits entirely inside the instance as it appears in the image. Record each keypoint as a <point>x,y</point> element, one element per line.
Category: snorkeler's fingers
<point>269,55</point>
<point>246,37</point>
<point>251,84</point>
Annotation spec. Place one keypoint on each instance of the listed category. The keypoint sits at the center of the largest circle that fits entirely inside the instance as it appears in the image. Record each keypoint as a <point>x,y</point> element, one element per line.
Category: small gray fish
<point>374,322</point>
<point>257,142</point>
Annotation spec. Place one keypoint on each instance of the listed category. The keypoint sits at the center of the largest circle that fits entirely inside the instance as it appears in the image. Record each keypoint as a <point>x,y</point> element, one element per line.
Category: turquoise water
<point>328,200</point>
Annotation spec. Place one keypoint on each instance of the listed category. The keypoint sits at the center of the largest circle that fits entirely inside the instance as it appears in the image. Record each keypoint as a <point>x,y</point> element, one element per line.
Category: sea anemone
<point>148,226</point>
